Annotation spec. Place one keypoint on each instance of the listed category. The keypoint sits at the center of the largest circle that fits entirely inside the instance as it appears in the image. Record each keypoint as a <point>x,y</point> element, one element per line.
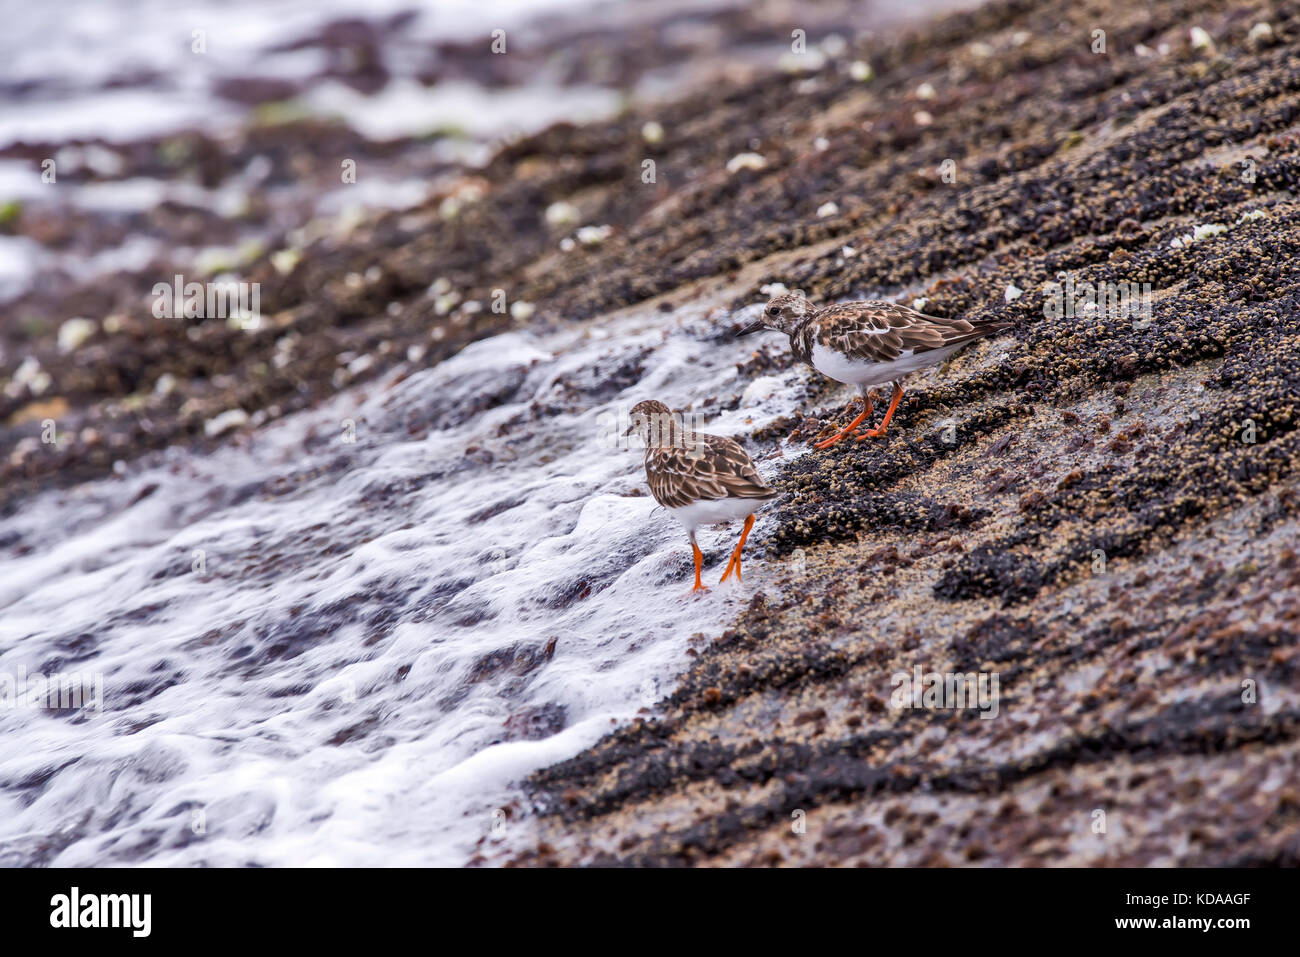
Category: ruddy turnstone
<point>867,344</point>
<point>701,479</point>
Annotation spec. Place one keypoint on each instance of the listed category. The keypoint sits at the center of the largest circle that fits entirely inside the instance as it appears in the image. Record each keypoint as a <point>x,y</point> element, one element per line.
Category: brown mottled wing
<point>708,468</point>
<point>882,331</point>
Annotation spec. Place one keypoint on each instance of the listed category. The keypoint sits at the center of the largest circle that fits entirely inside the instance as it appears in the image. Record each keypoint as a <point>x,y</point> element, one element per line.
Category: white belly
<point>719,510</point>
<point>860,372</point>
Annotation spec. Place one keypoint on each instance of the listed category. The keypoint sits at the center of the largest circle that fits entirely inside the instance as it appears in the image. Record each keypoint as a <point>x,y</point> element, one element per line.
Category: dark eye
<point>773,311</point>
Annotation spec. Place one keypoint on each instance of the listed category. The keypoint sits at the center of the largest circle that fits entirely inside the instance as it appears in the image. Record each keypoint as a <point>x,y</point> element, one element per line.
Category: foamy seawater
<point>322,651</point>
<point>78,64</point>
<point>99,75</point>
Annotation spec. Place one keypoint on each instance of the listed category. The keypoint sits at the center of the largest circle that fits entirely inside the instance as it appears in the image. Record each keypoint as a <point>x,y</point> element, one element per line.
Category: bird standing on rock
<point>867,344</point>
<point>701,479</point>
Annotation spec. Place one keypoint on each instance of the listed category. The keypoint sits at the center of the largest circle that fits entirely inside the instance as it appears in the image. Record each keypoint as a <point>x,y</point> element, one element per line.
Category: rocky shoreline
<point>1102,511</point>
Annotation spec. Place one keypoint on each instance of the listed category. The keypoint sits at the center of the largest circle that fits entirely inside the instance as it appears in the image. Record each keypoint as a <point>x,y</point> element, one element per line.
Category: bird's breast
<point>715,511</point>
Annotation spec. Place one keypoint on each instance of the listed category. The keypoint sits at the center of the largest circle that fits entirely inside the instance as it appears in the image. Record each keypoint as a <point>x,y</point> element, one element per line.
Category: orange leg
<point>735,556</point>
<point>699,563</point>
<point>866,411</point>
<point>889,414</point>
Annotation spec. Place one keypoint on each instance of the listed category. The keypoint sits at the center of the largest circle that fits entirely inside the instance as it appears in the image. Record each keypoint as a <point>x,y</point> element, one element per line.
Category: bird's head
<point>781,314</point>
<point>654,422</point>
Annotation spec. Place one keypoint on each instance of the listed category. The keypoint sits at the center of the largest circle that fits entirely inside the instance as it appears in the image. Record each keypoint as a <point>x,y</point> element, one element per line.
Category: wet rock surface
<point>1101,511</point>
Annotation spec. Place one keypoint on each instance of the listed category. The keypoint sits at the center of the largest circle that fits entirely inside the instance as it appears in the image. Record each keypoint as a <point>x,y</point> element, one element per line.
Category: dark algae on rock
<point>1099,509</point>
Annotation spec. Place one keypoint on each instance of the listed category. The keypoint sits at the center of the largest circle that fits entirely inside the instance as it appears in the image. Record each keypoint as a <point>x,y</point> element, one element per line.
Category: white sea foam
<point>333,685</point>
<point>84,77</point>
<point>78,46</point>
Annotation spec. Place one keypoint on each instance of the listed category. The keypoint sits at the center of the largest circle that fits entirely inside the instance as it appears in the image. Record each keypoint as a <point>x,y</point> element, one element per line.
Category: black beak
<point>752,328</point>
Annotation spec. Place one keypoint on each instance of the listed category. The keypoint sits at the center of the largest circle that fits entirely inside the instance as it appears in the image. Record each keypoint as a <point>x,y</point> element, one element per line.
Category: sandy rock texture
<point>1099,510</point>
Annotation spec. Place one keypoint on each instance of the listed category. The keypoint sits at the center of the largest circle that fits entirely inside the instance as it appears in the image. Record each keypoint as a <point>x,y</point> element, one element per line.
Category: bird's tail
<point>979,331</point>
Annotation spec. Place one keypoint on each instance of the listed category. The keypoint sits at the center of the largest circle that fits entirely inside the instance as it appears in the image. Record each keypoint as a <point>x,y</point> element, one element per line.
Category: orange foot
<point>889,414</point>
<point>734,564</point>
<point>839,436</point>
<point>699,563</point>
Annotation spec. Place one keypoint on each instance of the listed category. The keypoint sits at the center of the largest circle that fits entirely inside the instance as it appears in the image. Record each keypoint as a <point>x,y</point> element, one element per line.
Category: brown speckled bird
<point>867,344</point>
<point>701,479</point>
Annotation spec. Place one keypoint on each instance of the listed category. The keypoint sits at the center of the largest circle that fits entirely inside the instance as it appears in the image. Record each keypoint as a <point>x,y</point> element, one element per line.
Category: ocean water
<point>322,651</point>
<point>106,73</point>
<point>129,68</point>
